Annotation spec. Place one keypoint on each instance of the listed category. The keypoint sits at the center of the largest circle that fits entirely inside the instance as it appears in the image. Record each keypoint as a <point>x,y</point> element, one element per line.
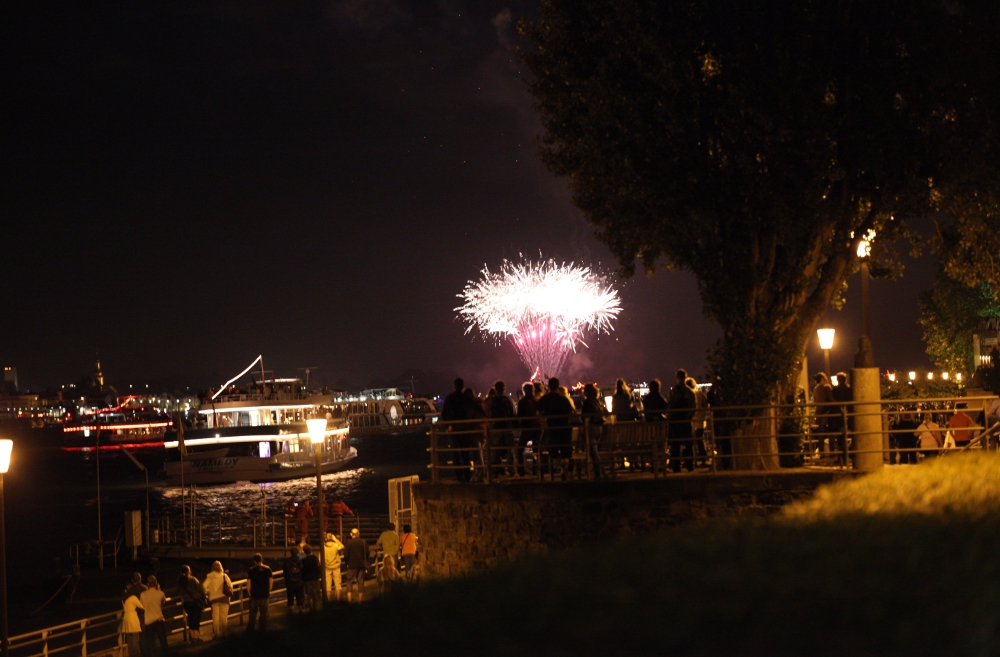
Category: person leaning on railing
<point>527,409</point>
<point>558,433</point>
<point>593,411</point>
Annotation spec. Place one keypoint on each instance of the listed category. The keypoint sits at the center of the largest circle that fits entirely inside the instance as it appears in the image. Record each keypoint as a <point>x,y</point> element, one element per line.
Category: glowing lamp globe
<point>317,430</point>
<point>826,337</point>
<point>6,447</point>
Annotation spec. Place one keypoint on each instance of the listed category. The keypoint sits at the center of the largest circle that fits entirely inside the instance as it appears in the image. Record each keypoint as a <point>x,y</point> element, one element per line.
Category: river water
<point>51,499</point>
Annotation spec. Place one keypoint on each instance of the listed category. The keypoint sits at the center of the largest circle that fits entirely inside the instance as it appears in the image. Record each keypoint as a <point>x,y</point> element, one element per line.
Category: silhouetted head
<point>691,383</point>
<point>406,529</point>
<point>620,386</point>
<point>590,391</point>
<point>528,389</point>
<point>654,386</point>
<point>257,559</point>
<point>553,384</point>
<point>841,378</point>
<point>539,389</point>
<point>470,394</point>
<point>306,549</point>
<point>217,566</point>
<point>819,378</point>
<point>499,386</point>
<point>681,375</point>
<point>355,533</point>
<point>392,526</point>
<point>152,583</point>
<point>137,578</point>
<point>295,550</point>
<point>459,385</point>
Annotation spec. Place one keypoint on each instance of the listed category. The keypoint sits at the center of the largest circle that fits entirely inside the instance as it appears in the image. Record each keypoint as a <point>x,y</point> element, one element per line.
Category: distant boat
<point>133,421</point>
<point>380,411</point>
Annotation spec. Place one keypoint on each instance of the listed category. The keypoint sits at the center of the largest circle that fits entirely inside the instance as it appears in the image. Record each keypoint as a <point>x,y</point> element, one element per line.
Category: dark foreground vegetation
<point>904,562</point>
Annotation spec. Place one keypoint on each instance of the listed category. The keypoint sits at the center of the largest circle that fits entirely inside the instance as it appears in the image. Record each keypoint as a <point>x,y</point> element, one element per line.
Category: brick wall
<point>473,527</point>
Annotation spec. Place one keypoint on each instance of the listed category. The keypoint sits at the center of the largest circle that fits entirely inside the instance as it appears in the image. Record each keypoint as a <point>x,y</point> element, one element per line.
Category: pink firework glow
<point>545,309</point>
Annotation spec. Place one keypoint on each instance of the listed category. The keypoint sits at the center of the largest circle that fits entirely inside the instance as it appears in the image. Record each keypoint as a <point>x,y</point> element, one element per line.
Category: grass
<point>903,562</point>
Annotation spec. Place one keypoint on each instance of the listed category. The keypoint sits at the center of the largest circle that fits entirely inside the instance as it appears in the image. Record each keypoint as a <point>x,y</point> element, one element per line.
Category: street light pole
<point>317,435</point>
<point>6,447</point>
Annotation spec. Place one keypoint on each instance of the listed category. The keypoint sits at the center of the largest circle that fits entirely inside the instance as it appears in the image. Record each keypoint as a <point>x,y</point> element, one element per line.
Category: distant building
<point>984,339</point>
<point>9,381</point>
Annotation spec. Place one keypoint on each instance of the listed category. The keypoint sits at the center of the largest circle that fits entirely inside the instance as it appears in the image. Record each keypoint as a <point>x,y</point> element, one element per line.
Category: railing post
<point>846,433</point>
<point>274,541</point>
<point>83,639</point>
<point>587,461</point>
<point>488,457</point>
<point>434,455</point>
<point>45,644</point>
<point>255,531</point>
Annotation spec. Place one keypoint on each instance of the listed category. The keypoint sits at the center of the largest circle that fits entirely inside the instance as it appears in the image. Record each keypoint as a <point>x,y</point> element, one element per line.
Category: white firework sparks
<point>545,309</point>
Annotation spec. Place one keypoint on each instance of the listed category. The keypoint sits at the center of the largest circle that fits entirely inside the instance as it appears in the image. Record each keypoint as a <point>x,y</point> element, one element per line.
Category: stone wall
<point>473,527</point>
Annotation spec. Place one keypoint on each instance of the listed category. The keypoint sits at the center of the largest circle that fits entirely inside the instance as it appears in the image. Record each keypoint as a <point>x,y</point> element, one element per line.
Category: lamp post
<point>6,447</point>
<point>826,344</point>
<point>317,435</point>
<point>864,252</point>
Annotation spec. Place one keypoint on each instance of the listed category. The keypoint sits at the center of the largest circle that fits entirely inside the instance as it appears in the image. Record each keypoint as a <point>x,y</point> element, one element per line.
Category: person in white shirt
<point>131,627</point>
<point>929,436</point>
<point>152,600</point>
<point>216,585</point>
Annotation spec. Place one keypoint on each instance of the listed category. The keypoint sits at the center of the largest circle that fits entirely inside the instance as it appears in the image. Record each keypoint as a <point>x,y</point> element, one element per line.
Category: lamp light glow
<point>944,375</point>
<point>892,376</point>
<point>317,429</point>
<point>6,447</point>
<point>958,376</point>
<point>608,401</point>
<point>826,337</point>
<point>930,376</point>
<point>913,376</point>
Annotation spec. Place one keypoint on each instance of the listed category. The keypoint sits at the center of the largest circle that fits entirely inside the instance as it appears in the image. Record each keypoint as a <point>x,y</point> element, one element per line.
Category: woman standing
<point>193,601</point>
<point>131,627</point>
<point>408,549</point>
<point>218,587</point>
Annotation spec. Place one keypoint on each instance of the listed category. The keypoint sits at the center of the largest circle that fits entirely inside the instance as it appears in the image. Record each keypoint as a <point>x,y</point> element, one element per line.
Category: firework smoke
<point>545,309</point>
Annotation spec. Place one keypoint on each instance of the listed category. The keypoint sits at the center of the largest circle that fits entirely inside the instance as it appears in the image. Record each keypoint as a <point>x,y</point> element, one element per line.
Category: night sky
<point>190,184</point>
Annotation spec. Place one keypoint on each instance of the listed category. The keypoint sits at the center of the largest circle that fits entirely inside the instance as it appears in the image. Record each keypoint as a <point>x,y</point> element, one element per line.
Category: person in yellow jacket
<point>332,548</point>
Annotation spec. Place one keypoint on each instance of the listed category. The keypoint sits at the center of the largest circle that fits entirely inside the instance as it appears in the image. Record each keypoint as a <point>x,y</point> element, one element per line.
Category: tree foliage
<point>754,143</point>
<point>950,312</point>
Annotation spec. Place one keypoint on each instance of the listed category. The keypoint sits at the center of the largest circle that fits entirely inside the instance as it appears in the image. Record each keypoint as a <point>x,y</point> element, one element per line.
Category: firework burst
<point>545,309</point>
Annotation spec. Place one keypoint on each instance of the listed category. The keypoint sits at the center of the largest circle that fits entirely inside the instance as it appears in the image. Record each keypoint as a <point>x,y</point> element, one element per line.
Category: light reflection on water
<point>246,498</point>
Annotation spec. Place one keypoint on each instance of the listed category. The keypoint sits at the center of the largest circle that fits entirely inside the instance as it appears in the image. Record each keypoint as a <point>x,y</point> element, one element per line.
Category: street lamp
<point>6,447</point>
<point>317,435</point>
<point>826,344</point>
<point>865,252</point>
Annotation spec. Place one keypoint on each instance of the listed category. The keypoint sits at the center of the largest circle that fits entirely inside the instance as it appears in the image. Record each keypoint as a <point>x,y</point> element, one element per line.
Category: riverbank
<point>898,563</point>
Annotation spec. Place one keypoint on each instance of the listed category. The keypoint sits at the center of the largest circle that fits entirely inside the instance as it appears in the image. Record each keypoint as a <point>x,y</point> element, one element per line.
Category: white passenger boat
<point>256,437</point>
<point>379,411</point>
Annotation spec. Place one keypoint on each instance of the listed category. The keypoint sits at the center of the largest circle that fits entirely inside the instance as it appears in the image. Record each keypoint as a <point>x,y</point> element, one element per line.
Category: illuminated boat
<point>133,422</point>
<point>258,437</point>
<point>380,411</point>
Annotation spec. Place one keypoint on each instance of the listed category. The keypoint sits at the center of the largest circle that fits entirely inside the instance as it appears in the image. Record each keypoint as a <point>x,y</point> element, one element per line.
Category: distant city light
<point>892,376</point>
<point>958,376</point>
<point>543,308</point>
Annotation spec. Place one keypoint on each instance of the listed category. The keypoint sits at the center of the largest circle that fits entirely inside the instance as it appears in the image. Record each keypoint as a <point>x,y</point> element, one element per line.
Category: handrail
<point>173,612</point>
<point>813,423</point>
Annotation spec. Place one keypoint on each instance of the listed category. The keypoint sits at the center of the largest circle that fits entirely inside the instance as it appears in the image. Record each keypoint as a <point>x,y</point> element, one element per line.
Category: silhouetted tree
<point>754,143</point>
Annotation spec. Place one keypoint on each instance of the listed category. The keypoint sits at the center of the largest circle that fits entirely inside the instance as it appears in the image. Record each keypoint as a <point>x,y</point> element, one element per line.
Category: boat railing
<point>259,397</point>
<point>259,531</point>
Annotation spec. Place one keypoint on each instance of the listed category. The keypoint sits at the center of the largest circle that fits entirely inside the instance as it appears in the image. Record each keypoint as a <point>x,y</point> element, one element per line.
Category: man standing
<point>527,408</point>
<point>389,542</point>
<point>558,433</point>
<point>681,405</point>
<point>654,406</point>
<point>310,579</point>
<point>333,547</point>
<point>454,408</point>
<point>502,437</point>
<point>356,554</point>
<point>260,579</point>
<point>959,425</point>
<point>294,591</point>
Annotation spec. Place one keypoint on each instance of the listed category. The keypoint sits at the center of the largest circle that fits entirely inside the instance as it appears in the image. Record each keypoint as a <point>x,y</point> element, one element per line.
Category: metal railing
<point>102,635</point>
<point>257,531</point>
<point>728,438</point>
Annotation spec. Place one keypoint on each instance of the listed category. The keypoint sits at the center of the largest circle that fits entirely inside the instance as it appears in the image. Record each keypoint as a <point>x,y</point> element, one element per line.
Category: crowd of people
<point>542,419</point>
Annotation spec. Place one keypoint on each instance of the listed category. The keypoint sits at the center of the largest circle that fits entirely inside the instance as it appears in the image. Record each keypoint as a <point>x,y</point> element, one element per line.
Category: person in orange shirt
<point>408,549</point>
<point>337,509</point>
<point>959,424</point>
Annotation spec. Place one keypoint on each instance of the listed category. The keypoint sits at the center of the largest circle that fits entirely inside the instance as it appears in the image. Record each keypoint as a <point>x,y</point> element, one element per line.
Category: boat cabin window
<point>264,449</point>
